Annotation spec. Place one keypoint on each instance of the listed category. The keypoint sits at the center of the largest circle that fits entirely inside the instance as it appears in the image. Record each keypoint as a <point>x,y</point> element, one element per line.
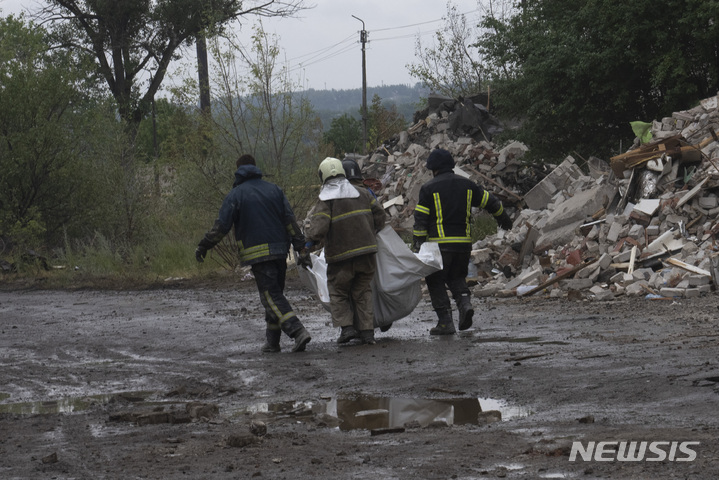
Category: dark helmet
<point>352,169</point>
<point>440,159</point>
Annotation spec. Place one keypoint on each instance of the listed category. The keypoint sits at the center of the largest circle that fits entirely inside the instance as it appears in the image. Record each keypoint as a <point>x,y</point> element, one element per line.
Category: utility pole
<point>203,73</point>
<point>363,40</point>
<point>203,76</point>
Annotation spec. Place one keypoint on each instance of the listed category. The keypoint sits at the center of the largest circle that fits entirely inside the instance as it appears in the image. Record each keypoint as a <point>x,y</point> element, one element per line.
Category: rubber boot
<point>367,337</point>
<point>466,311</point>
<point>302,338</point>
<point>294,328</point>
<point>445,325</point>
<point>348,333</point>
<point>272,342</point>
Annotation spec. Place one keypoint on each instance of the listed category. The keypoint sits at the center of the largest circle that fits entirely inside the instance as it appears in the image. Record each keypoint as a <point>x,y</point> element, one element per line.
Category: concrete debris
<point>643,224</point>
<point>396,170</point>
<point>194,411</point>
<point>490,416</point>
<point>258,428</point>
<point>241,441</point>
<point>52,458</point>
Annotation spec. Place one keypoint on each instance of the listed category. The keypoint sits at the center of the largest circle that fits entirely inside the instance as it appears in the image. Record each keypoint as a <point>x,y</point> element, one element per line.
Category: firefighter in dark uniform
<point>443,215</point>
<point>265,226</point>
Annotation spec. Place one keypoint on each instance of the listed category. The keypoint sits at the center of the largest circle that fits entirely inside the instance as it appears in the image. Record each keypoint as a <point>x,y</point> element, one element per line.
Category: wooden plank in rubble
<point>561,276</point>
<point>638,156</point>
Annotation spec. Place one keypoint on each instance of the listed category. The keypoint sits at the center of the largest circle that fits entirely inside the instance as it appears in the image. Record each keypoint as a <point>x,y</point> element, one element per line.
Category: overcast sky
<point>322,47</point>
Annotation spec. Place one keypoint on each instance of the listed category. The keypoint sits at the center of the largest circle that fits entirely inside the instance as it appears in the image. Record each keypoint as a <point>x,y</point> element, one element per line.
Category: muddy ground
<point>170,383</point>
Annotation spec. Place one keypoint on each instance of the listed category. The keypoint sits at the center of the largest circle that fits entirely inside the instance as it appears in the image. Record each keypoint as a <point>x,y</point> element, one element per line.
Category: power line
<point>421,23</point>
<point>326,49</point>
<point>326,54</point>
<point>297,63</point>
<point>398,37</point>
<point>327,57</point>
<point>407,26</point>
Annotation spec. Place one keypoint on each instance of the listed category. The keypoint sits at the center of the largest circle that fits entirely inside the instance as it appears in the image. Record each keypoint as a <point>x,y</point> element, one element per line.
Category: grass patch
<point>102,264</point>
<point>483,225</point>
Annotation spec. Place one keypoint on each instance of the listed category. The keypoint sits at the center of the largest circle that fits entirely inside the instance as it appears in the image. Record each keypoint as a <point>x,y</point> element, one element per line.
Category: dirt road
<point>169,383</point>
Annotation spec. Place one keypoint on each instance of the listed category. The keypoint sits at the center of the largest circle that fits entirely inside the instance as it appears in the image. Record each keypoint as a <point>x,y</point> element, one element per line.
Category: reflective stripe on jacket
<point>261,216</point>
<point>347,225</point>
<point>444,209</point>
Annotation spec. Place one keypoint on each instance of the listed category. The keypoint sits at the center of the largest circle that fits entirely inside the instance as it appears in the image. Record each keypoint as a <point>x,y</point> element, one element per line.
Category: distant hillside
<point>331,104</point>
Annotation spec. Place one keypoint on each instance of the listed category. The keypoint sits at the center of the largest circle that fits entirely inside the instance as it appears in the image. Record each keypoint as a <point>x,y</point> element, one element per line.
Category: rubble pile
<point>642,224</point>
<point>396,171</point>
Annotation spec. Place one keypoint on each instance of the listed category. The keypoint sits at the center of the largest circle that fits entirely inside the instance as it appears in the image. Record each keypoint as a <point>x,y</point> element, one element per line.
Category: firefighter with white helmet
<point>346,220</point>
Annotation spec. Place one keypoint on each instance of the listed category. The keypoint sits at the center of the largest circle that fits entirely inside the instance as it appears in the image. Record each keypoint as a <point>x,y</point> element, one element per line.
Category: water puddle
<point>371,412</point>
<point>70,404</point>
<point>537,340</point>
<point>350,412</point>
<point>508,412</point>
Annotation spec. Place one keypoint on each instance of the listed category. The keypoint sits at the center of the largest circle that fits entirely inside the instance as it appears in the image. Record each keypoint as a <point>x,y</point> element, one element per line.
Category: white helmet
<point>331,167</point>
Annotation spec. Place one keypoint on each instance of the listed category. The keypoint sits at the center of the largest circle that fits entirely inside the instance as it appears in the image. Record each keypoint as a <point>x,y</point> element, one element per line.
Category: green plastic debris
<point>643,130</point>
<point>689,173</point>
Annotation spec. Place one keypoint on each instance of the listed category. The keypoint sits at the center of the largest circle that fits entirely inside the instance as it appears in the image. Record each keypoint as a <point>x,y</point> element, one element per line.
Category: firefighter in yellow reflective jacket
<point>443,215</point>
<point>346,219</point>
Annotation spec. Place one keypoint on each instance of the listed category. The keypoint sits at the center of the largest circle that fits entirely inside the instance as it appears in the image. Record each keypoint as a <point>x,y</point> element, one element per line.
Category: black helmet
<point>352,169</point>
<point>440,159</point>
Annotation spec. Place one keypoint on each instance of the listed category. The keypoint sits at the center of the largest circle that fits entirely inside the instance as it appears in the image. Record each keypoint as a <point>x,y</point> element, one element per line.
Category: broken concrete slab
<point>580,206</point>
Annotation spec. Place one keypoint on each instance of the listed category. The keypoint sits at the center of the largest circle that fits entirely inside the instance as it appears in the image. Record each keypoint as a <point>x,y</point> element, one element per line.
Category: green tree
<point>45,100</point>
<point>257,109</point>
<point>345,132</point>
<point>577,72</point>
<point>452,66</point>
<point>136,39</point>
<point>168,131</point>
<point>156,130</point>
<point>344,135</point>
<point>383,122</point>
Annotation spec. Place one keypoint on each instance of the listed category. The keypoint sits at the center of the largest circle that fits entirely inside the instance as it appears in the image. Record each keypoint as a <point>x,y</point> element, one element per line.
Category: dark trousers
<point>270,280</point>
<point>453,276</point>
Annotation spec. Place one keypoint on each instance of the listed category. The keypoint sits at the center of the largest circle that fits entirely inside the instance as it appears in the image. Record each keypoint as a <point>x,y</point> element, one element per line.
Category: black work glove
<point>417,243</point>
<point>298,243</point>
<point>304,259</point>
<point>200,253</point>
<point>504,221</point>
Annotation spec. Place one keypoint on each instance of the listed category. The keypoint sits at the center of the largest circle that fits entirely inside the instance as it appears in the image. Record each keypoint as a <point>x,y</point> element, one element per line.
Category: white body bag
<point>396,288</point>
